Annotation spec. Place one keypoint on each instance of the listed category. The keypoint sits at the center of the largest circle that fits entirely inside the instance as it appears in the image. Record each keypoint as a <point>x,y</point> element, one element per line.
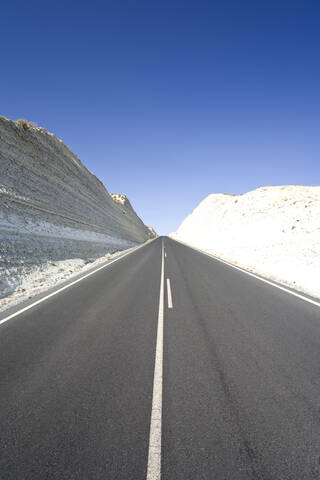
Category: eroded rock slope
<point>52,208</point>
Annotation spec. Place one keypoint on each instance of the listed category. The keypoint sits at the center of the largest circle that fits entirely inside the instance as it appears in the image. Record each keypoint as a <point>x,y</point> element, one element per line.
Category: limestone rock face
<point>273,231</point>
<point>52,207</point>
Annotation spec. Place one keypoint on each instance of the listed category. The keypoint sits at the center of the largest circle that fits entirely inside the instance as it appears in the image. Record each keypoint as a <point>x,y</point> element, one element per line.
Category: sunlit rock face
<point>273,231</point>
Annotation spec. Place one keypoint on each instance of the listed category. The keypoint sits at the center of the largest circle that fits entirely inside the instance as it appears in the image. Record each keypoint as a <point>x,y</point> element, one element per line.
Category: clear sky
<point>168,101</point>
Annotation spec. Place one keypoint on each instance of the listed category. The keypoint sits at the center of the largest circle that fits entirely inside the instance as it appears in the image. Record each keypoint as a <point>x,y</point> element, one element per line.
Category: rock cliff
<point>53,208</point>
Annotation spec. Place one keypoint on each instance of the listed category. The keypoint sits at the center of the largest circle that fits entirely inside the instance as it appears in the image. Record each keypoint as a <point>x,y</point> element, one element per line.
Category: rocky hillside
<point>274,231</point>
<point>52,208</point>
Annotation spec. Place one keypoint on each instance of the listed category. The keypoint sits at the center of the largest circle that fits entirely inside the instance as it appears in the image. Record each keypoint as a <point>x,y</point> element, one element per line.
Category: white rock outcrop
<point>53,209</point>
<point>273,231</point>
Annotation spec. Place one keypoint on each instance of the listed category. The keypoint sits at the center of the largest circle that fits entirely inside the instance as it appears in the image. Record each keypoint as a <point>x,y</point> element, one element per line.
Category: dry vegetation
<point>25,124</point>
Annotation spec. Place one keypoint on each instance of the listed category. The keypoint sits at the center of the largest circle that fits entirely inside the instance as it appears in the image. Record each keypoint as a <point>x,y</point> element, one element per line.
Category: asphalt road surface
<point>164,364</point>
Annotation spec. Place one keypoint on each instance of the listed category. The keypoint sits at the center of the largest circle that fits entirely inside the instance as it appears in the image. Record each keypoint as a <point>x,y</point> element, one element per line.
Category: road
<point>166,363</point>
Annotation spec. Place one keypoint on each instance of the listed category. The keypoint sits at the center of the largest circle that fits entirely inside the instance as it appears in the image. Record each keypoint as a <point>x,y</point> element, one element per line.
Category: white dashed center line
<point>154,455</point>
<point>170,305</point>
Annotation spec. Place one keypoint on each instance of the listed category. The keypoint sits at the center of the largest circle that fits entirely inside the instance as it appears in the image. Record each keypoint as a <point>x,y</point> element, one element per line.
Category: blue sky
<point>168,101</point>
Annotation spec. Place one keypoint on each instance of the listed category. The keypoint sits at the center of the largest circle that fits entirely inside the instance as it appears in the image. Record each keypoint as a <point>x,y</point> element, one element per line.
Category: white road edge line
<point>170,305</point>
<point>69,285</point>
<point>154,454</point>
<point>269,282</point>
